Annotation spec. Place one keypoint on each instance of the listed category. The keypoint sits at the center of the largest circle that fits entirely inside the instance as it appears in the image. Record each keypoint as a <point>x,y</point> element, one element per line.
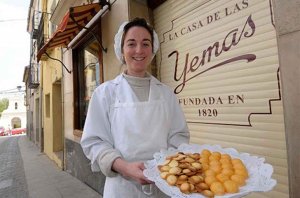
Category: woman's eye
<point>131,44</point>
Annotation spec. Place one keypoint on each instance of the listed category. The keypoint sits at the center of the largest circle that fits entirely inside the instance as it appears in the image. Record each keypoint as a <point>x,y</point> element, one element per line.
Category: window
<point>87,75</point>
<point>52,27</point>
<point>16,105</point>
<point>47,103</point>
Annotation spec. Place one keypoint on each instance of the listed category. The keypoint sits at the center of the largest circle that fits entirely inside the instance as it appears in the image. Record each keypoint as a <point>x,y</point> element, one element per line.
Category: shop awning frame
<point>74,21</point>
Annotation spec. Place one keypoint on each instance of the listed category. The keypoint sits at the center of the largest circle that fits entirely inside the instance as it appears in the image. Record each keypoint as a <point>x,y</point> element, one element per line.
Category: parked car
<point>2,131</point>
<point>18,131</point>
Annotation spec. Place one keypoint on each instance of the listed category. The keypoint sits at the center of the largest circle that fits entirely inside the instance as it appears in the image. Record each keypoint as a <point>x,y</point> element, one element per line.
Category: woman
<point>132,117</point>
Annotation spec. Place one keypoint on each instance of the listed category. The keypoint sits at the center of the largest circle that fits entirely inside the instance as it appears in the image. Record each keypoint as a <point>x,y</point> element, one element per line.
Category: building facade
<point>231,64</point>
<point>14,116</point>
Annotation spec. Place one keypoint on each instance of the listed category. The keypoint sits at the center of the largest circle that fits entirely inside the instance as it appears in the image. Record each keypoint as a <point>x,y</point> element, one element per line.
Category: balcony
<point>34,76</point>
<point>41,36</point>
<point>36,20</point>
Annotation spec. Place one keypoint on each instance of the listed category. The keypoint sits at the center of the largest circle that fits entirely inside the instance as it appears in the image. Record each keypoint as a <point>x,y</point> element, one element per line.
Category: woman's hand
<point>132,170</point>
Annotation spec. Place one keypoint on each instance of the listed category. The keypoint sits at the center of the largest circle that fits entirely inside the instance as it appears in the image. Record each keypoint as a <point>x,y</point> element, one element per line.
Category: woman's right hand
<point>132,170</point>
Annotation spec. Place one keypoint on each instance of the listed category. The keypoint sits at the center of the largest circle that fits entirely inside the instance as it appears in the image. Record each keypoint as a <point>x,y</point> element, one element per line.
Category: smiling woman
<point>117,137</point>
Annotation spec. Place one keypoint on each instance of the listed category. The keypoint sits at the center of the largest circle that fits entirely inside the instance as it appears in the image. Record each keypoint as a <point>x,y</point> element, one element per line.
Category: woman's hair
<point>137,22</point>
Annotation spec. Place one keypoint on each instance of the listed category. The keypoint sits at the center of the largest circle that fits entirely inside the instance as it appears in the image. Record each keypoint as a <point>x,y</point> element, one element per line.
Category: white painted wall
<point>11,112</point>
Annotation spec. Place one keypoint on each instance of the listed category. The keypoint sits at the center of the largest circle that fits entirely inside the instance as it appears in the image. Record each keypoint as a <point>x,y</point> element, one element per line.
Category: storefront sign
<point>221,60</point>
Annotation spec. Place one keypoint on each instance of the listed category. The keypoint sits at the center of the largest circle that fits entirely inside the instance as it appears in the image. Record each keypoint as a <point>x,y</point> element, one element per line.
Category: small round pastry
<point>222,177</point>
<point>227,171</point>
<point>196,165</point>
<point>164,175</point>
<point>217,188</point>
<point>231,187</point>
<point>208,193</point>
<point>185,187</point>
<point>203,186</point>
<point>210,179</point>
<point>241,172</point>
<point>195,179</point>
<point>205,152</point>
<point>239,179</point>
<point>173,163</point>
<point>171,179</point>
<point>165,168</point>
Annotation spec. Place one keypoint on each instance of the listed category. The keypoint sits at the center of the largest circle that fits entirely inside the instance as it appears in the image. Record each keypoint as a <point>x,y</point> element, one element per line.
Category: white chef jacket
<point>103,138</point>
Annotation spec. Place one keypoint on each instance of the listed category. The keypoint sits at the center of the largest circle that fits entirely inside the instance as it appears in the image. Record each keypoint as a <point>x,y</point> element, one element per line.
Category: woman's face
<point>137,51</point>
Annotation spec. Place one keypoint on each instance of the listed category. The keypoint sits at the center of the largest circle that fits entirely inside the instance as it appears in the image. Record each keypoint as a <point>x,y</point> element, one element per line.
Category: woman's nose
<point>139,48</point>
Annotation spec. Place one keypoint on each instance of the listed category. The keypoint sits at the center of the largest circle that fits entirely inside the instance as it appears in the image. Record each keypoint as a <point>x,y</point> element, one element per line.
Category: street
<point>12,175</point>
<point>28,173</point>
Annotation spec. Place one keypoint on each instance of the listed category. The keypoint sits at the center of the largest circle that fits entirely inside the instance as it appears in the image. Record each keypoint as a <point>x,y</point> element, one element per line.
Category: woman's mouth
<point>138,58</point>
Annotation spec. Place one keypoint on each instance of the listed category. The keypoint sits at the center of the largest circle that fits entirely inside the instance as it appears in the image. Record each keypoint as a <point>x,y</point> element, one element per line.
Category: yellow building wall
<point>52,75</point>
<point>110,24</point>
<point>68,99</point>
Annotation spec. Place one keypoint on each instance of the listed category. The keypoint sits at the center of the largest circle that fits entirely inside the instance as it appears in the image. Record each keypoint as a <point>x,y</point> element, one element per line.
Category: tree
<point>3,105</point>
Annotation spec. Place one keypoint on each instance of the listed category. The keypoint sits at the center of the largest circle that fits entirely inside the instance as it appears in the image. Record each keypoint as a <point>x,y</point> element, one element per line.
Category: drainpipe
<point>63,111</point>
<point>41,120</point>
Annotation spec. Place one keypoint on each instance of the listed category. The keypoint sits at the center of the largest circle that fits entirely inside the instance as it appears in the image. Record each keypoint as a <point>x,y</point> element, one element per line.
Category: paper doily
<point>259,172</point>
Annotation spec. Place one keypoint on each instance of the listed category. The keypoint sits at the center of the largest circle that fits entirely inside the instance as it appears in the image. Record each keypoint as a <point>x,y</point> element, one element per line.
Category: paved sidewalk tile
<point>45,179</point>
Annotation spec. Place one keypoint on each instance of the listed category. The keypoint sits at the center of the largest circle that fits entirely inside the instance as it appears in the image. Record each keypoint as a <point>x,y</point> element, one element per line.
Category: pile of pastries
<point>209,173</point>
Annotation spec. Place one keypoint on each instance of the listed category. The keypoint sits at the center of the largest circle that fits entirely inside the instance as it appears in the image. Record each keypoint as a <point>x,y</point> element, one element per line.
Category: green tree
<point>3,105</point>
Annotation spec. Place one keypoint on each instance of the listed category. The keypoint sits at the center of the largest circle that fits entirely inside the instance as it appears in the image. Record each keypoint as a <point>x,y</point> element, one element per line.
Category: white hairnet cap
<point>118,42</point>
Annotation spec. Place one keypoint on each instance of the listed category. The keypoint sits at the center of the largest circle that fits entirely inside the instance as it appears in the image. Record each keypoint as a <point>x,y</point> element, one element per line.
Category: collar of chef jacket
<point>125,93</point>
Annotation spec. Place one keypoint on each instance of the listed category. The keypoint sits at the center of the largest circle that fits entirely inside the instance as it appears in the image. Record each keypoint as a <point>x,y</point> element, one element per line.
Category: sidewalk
<point>45,179</point>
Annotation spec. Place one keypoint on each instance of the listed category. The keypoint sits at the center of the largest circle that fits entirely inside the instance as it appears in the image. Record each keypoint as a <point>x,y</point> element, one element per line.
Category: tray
<point>259,172</point>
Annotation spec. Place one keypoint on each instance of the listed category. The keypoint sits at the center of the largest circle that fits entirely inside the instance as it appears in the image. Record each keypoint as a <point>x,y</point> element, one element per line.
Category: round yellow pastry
<point>230,186</point>
<point>215,162</point>
<point>209,172</point>
<point>239,179</point>
<point>210,179</point>
<point>205,152</point>
<point>236,161</point>
<point>225,166</point>
<point>217,188</point>
<point>239,166</point>
<point>225,156</point>
<point>213,157</point>
<point>216,168</point>
<point>227,171</point>
<point>225,161</point>
<point>222,177</point>
<point>216,154</point>
<point>205,166</point>
<point>241,172</point>
<point>204,160</point>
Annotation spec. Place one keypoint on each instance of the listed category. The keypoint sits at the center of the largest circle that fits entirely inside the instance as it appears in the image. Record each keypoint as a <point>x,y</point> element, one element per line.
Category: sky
<point>14,43</point>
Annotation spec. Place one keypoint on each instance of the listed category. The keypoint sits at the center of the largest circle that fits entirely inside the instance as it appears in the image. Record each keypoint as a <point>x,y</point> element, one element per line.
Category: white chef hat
<point>118,42</point>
